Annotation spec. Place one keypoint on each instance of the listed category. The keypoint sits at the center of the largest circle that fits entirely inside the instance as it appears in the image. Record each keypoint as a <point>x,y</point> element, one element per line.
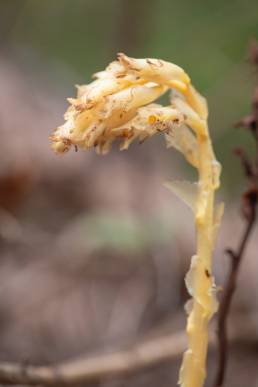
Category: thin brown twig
<point>249,211</point>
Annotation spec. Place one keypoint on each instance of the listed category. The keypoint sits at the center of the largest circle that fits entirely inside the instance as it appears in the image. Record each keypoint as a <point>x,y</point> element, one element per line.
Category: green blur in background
<point>209,39</point>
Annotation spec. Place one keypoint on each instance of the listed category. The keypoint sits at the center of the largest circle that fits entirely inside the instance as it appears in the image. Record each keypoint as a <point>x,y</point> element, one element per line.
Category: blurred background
<point>94,250</point>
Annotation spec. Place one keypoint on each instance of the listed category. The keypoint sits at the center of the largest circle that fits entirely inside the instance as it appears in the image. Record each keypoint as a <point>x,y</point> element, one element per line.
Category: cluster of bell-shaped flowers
<point>119,105</point>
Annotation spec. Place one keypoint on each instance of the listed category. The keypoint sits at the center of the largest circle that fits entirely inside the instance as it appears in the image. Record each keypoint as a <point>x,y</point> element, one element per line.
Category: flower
<point>118,104</point>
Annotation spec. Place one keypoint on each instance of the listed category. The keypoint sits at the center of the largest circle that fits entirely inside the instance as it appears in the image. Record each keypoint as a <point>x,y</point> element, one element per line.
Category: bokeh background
<point>93,250</point>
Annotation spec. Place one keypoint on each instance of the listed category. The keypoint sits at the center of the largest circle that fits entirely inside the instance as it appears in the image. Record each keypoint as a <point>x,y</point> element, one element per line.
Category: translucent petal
<point>181,138</point>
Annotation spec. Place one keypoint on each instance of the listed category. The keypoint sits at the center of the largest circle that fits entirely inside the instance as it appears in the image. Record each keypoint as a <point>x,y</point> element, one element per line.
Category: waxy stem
<point>193,370</point>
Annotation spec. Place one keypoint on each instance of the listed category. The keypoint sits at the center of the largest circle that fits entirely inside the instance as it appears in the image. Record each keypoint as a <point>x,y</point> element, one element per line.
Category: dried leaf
<point>185,190</point>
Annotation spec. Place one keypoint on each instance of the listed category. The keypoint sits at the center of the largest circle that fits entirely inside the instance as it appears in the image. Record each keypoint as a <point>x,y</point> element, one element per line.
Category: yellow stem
<point>193,370</point>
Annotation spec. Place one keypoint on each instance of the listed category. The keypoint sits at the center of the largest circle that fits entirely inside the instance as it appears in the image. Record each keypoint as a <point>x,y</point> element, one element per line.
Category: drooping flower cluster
<point>119,105</point>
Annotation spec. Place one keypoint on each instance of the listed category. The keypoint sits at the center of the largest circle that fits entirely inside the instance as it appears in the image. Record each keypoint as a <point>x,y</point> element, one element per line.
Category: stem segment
<point>199,280</point>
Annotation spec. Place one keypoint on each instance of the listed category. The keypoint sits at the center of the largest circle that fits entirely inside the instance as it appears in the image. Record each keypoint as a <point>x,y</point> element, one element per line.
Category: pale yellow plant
<point>119,105</point>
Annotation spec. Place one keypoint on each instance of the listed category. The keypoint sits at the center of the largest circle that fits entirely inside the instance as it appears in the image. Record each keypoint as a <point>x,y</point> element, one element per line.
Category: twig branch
<point>143,355</point>
<point>249,211</point>
<point>236,259</point>
<point>84,369</point>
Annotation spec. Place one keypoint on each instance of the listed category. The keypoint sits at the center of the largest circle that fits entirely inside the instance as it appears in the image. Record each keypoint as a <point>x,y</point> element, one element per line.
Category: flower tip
<point>124,59</point>
<point>72,101</point>
<point>59,145</point>
<point>121,56</point>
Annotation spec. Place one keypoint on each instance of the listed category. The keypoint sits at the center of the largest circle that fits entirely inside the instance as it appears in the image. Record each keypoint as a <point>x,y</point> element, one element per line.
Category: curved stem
<point>116,106</point>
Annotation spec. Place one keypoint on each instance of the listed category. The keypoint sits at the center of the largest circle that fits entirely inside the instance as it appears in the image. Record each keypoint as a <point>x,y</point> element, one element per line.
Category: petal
<point>132,98</point>
<point>181,138</point>
<point>192,118</point>
<point>155,70</point>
